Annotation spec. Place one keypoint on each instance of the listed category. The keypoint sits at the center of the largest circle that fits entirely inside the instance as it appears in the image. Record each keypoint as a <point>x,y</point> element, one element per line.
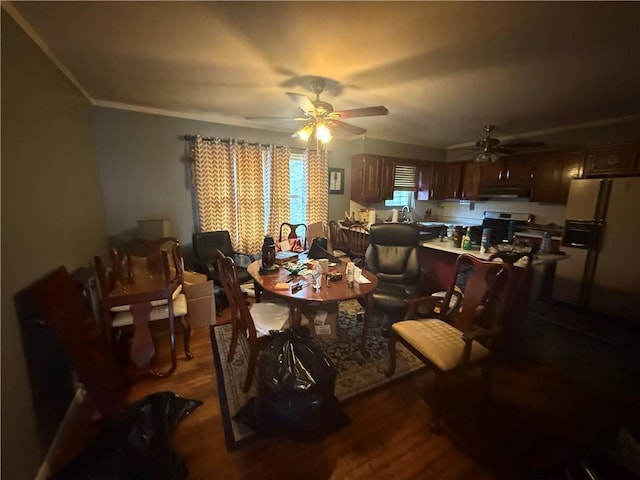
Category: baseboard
<point>45,469</point>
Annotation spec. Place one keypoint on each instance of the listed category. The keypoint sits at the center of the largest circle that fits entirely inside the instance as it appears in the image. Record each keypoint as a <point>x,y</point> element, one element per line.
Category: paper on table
<point>358,277</point>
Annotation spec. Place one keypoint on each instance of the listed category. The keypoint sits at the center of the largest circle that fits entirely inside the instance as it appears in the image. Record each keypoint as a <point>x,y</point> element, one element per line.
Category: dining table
<point>138,296</point>
<point>297,290</point>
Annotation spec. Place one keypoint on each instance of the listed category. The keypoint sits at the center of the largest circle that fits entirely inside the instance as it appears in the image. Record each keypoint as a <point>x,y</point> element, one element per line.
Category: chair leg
<point>234,341</point>
<point>251,367</point>
<point>440,387</point>
<point>391,345</point>
<point>186,331</point>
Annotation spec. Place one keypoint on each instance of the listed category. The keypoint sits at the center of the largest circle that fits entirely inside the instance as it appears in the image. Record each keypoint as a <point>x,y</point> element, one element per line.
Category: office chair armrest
<point>246,255</point>
<point>206,268</point>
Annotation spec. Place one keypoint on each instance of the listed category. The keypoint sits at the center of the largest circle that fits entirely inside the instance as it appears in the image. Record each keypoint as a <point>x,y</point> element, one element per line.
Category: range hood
<point>504,191</point>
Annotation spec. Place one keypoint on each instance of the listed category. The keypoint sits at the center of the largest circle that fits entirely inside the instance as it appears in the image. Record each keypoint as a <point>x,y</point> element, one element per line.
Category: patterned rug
<point>356,374</point>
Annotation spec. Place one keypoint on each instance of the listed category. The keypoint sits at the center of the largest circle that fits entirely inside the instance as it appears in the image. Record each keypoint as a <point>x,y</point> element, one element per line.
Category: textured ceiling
<point>443,69</point>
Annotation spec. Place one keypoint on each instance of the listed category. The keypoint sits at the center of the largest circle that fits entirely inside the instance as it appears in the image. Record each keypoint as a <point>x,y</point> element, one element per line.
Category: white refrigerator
<point>602,240</point>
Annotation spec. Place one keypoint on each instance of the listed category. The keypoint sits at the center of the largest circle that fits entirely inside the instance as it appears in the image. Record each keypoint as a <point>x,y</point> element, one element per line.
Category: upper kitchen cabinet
<point>471,172</point>
<point>438,180</point>
<point>608,160</point>
<point>552,175</point>
<point>425,180</point>
<point>507,176</point>
<point>371,178</point>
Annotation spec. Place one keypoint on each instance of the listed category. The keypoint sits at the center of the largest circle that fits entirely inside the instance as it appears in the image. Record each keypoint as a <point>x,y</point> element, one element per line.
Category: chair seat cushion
<point>154,303</point>
<point>439,342</point>
<point>159,312</point>
<point>273,315</point>
<point>392,295</point>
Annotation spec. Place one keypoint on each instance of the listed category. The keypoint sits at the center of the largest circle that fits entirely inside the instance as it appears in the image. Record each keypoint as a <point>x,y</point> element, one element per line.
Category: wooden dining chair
<point>252,323</point>
<point>521,281</point>
<point>338,237</point>
<point>358,238</point>
<point>451,341</point>
<point>296,234</point>
<point>140,261</point>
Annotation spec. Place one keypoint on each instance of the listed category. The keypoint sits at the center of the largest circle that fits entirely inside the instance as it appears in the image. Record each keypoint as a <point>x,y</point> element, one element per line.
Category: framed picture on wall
<point>336,180</point>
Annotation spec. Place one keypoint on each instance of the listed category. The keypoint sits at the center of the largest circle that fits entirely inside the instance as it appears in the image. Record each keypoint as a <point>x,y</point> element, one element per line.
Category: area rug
<point>356,374</point>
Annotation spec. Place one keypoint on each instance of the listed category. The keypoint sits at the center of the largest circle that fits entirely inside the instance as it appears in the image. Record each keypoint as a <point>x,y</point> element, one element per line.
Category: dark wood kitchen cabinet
<point>426,180</point>
<point>507,175</point>
<point>608,160</point>
<point>471,172</point>
<point>552,175</point>
<point>371,178</point>
<point>438,180</point>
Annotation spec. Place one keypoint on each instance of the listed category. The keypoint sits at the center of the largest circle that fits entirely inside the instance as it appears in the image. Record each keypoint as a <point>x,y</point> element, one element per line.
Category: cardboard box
<point>322,317</point>
<point>201,305</point>
<point>189,277</point>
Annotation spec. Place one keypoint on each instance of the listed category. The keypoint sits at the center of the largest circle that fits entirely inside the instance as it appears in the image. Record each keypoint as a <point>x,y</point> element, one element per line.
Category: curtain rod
<point>228,140</point>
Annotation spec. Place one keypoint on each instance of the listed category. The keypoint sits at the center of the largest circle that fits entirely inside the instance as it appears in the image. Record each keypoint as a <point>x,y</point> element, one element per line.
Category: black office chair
<point>205,246</point>
<point>392,255</point>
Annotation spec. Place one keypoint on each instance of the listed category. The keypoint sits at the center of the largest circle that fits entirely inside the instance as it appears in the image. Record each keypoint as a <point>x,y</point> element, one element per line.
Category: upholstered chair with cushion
<point>254,322</point>
<point>205,246</point>
<point>392,255</point>
<point>452,340</point>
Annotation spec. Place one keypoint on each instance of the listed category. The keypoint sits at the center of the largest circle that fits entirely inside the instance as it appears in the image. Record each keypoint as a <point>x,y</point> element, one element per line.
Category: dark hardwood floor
<point>559,392</point>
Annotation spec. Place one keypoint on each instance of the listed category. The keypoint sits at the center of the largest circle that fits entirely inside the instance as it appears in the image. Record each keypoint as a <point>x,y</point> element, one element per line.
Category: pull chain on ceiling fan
<point>320,117</point>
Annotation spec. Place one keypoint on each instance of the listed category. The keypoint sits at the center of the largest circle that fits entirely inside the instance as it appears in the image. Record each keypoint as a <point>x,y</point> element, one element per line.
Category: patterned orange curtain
<point>316,171</point>
<point>215,185</point>
<point>229,188</point>
<point>250,196</point>
<point>277,171</point>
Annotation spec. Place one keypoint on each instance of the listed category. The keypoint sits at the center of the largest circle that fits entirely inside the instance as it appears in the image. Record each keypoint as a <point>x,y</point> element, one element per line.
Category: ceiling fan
<point>490,147</point>
<point>320,117</point>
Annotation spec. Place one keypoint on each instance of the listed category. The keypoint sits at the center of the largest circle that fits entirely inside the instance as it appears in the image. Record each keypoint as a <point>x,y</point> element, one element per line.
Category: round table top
<point>332,292</point>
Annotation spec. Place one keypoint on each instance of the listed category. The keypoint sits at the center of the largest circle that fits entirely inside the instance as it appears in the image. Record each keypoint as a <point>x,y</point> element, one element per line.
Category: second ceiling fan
<point>320,117</point>
<point>490,147</point>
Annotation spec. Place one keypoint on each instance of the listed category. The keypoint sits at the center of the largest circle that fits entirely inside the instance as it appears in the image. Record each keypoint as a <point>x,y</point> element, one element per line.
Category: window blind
<point>405,177</point>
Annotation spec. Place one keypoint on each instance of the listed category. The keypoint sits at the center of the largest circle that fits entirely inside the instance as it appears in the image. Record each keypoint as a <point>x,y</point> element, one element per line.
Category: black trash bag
<point>135,443</point>
<point>295,396</point>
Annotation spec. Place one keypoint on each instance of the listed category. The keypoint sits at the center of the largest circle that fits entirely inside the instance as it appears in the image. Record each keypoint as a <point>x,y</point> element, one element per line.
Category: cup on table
<point>324,264</point>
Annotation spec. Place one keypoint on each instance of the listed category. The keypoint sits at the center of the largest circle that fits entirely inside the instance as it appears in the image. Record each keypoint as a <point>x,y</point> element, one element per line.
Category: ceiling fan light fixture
<point>323,133</point>
<point>485,156</point>
<point>305,132</point>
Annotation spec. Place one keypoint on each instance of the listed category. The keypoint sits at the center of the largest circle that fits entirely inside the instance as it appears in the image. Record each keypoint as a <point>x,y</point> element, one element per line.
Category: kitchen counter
<point>447,246</point>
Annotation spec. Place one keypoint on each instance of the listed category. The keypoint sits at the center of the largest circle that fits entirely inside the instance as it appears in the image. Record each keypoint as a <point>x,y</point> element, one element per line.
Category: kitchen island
<point>437,260</point>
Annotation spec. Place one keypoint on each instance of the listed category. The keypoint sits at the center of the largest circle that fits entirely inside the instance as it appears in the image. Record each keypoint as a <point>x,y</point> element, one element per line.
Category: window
<point>298,189</point>
<point>404,186</point>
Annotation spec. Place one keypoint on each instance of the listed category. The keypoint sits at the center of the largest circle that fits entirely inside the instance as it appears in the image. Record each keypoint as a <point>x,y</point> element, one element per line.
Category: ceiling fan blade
<point>276,118</point>
<point>362,112</point>
<point>525,145</point>
<point>348,127</point>
<point>303,102</point>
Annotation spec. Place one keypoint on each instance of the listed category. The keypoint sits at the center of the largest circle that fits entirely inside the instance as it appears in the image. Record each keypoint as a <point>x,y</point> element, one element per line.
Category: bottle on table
<point>466,241</point>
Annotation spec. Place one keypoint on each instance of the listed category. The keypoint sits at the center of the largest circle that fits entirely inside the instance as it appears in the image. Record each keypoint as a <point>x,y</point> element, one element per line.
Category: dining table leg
<point>368,310</point>
<point>142,347</point>
<point>296,314</point>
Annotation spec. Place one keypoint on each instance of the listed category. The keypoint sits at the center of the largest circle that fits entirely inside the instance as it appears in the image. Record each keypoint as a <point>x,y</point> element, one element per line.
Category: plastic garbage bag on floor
<point>135,443</point>
<point>295,395</point>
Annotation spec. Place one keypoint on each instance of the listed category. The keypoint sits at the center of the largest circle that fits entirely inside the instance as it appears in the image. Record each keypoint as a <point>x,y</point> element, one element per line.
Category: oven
<point>502,224</point>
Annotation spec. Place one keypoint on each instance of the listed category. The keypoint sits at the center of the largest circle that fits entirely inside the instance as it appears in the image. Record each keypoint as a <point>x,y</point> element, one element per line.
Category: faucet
<point>405,214</point>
